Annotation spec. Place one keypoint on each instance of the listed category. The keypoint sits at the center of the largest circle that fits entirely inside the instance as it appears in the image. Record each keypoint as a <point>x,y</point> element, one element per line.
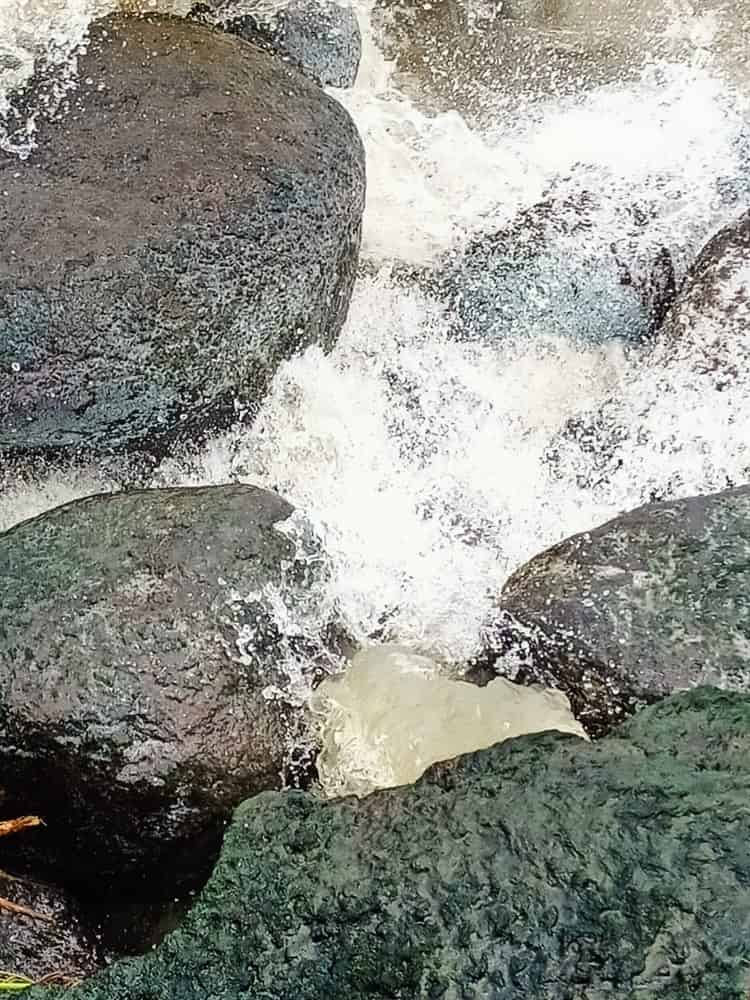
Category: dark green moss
<point>541,868</point>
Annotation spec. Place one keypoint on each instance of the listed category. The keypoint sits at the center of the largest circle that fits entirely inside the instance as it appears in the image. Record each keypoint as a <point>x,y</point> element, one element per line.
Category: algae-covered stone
<point>142,677</point>
<point>544,868</point>
<point>652,602</point>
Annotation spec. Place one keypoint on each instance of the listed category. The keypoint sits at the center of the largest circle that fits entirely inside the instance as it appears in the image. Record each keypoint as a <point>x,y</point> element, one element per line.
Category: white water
<point>422,461</point>
<point>428,497</point>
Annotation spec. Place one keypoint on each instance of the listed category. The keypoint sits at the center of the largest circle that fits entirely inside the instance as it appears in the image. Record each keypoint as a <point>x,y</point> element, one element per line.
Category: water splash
<point>47,36</point>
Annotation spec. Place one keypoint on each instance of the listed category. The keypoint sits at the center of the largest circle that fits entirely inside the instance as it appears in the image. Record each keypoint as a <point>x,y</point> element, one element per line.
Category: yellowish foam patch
<point>392,715</point>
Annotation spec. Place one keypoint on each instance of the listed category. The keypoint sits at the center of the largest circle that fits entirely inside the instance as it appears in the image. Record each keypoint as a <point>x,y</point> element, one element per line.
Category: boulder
<point>320,37</point>
<point>571,265</point>
<point>45,935</point>
<point>652,602</point>
<point>697,362</point>
<point>150,644</point>
<point>544,868</point>
<point>189,219</point>
<point>706,333</point>
<point>557,270</point>
<point>465,53</point>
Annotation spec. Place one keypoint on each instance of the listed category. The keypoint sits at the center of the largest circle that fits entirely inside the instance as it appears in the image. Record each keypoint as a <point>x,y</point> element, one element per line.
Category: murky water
<point>393,714</point>
<point>433,466</point>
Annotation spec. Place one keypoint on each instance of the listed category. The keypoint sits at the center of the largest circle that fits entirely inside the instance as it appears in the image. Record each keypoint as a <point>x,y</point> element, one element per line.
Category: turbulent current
<point>424,459</point>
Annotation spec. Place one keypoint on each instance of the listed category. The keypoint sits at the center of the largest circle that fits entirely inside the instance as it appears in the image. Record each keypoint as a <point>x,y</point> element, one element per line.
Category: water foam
<point>49,35</point>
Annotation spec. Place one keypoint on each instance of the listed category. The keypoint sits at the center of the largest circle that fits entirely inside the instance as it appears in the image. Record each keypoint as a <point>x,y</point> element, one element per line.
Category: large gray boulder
<point>652,602</point>
<point>544,868</point>
<point>145,677</point>
<point>188,223</point>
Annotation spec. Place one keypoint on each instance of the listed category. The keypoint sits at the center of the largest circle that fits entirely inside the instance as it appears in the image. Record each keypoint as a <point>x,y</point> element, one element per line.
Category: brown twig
<point>24,911</point>
<point>59,979</point>
<point>16,825</point>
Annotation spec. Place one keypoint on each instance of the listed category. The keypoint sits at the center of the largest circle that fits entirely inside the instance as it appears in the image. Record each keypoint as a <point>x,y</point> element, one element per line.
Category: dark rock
<point>54,940</point>
<point>652,602</point>
<point>474,55</point>
<point>320,37</point>
<point>701,347</point>
<point>707,330</point>
<point>144,678</point>
<point>189,223</point>
<point>544,868</point>
<point>557,270</point>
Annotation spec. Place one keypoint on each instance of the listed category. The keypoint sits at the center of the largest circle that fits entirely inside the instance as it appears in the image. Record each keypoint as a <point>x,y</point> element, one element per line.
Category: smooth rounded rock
<point>652,602</point>
<point>556,269</point>
<point>189,219</point>
<point>145,688</point>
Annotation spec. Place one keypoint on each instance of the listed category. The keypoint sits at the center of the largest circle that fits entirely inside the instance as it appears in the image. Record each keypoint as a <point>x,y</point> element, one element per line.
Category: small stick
<point>15,825</point>
<point>25,911</point>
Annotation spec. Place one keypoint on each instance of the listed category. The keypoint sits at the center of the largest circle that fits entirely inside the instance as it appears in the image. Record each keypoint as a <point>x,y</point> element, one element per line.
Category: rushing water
<point>422,459</point>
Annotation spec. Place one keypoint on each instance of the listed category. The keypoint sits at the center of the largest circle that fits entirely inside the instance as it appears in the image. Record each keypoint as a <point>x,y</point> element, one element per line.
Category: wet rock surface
<point>544,868</point>
<point>465,53</point>
<point>320,37</point>
<point>49,939</point>
<point>170,240</point>
<point>143,691</point>
<point>652,602</point>
<point>700,350</point>
<point>563,268</point>
<point>708,328</point>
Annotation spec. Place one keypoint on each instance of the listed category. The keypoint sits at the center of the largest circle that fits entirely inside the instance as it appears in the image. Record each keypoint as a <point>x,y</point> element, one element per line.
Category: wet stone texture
<point>555,271</point>
<point>700,349</point>
<point>52,940</point>
<point>191,220</point>
<point>544,868</point>
<point>319,37</point>
<point>142,680</point>
<point>706,331</point>
<point>652,602</point>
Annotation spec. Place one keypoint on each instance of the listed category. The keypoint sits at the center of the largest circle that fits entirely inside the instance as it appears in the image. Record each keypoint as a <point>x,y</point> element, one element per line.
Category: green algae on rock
<point>138,644</point>
<point>544,868</point>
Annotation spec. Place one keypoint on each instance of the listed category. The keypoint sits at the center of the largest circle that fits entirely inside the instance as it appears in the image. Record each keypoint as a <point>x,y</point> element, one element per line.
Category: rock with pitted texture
<point>652,602</point>
<point>320,37</point>
<point>189,219</point>
<point>145,670</point>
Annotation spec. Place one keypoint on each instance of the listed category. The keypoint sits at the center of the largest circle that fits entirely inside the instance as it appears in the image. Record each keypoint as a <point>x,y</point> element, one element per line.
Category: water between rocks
<point>423,460</point>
